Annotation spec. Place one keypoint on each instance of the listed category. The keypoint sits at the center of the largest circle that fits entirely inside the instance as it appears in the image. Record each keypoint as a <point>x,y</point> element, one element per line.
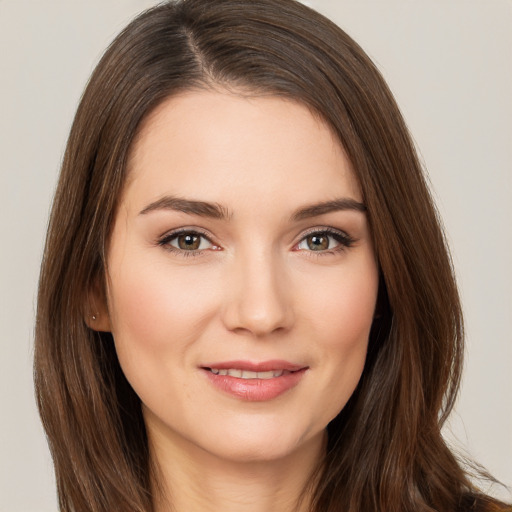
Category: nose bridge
<point>258,300</point>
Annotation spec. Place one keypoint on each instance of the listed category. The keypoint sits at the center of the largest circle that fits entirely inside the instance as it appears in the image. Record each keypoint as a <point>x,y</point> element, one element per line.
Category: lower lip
<point>256,390</point>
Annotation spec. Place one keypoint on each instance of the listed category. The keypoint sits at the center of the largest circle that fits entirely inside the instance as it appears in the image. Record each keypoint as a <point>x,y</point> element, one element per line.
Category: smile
<point>254,382</point>
<point>247,374</point>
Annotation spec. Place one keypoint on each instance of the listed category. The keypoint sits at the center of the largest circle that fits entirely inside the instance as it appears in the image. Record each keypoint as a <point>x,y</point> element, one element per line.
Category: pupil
<point>318,243</point>
<point>188,242</point>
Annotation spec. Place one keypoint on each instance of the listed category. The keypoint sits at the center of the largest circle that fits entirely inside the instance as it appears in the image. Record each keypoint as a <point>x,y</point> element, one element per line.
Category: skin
<point>257,289</point>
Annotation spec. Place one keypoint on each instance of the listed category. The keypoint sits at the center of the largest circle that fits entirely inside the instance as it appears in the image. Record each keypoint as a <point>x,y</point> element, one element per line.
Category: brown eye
<point>317,242</point>
<point>189,242</point>
<point>325,241</point>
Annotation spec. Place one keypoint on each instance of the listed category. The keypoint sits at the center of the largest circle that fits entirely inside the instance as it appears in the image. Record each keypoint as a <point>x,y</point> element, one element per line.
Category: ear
<point>97,316</point>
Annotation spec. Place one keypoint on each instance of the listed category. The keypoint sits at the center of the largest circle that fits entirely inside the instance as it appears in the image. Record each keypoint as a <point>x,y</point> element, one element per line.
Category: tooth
<point>247,374</point>
<point>265,375</point>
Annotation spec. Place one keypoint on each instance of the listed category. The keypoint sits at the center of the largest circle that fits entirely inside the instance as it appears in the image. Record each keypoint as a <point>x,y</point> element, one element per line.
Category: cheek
<point>348,323</point>
<point>150,304</point>
<point>156,316</point>
<point>341,314</point>
<point>343,306</point>
<point>351,313</point>
<point>157,313</point>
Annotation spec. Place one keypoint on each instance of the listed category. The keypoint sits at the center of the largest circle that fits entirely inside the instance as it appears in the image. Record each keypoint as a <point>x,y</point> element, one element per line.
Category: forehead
<point>220,146</point>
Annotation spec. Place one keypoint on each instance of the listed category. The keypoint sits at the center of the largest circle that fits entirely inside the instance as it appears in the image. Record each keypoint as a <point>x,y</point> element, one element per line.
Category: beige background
<point>448,63</point>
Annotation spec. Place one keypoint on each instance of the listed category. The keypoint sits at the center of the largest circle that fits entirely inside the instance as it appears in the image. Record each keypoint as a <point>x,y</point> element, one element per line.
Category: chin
<point>262,443</point>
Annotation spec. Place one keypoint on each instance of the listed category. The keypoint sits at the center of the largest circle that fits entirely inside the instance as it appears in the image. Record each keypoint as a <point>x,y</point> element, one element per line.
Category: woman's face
<point>241,277</point>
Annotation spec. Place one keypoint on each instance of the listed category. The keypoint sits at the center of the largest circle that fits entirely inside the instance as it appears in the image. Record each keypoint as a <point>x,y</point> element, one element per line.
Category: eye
<point>325,241</point>
<point>186,241</point>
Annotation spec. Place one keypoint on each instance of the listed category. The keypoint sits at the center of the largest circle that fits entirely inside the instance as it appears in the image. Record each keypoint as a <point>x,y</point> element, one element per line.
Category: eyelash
<point>344,240</point>
<point>166,239</point>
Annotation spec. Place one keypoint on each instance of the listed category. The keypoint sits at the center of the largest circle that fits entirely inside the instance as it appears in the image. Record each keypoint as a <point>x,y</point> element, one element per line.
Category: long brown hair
<point>385,451</point>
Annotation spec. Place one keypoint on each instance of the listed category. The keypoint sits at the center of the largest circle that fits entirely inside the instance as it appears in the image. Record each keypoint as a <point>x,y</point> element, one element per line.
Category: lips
<point>262,366</point>
<point>252,381</point>
<point>247,374</point>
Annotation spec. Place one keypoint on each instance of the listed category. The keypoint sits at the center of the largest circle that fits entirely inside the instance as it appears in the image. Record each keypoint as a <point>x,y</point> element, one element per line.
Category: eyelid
<point>186,229</point>
<point>164,240</point>
<point>342,237</point>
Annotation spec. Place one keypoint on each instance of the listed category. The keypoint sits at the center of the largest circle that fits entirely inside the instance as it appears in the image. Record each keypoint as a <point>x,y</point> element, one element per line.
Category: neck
<point>190,478</point>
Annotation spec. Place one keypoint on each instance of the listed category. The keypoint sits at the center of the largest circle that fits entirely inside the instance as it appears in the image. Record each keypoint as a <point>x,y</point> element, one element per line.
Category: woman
<point>246,301</point>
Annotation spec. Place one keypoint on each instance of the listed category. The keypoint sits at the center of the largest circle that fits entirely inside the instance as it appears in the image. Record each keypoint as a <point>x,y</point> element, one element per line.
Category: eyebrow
<point>202,208</point>
<point>335,205</point>
<point>217,211</point>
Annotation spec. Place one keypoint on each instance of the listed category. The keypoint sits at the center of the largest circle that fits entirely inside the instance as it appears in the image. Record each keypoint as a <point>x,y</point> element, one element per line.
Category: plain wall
<point>448,64</point>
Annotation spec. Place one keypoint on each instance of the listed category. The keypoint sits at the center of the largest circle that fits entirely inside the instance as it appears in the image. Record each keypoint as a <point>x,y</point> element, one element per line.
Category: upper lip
<point>253,366</point>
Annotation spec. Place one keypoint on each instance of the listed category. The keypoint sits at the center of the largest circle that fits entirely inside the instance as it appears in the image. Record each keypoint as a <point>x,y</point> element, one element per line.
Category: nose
<point>258,300</point>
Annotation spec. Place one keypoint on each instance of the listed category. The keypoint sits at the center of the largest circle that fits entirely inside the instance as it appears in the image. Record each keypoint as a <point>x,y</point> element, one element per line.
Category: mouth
<point>247,374</point>
<point>250,381</point>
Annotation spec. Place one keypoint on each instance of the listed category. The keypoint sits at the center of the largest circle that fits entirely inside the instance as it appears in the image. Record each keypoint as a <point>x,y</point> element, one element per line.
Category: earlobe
<point>97,316</point>
<point>98,322</point>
